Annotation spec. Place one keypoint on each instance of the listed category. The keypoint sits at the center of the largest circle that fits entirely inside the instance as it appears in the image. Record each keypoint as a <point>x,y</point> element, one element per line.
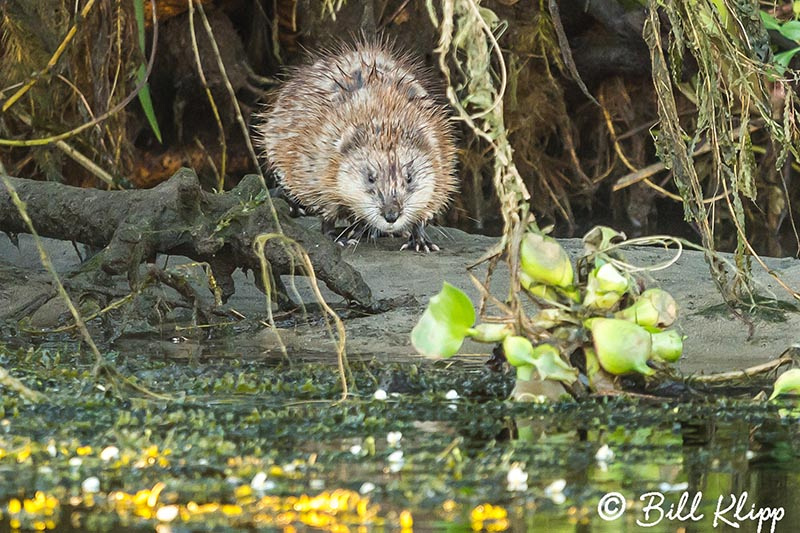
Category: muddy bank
<point>716,340</point>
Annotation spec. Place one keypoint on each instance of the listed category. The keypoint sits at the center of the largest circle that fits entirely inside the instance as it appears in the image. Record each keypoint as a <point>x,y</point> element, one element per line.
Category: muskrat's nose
<point>391,214</point>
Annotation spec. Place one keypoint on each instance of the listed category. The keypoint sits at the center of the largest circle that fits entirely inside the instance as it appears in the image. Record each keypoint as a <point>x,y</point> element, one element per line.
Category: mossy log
<point>176,218</point>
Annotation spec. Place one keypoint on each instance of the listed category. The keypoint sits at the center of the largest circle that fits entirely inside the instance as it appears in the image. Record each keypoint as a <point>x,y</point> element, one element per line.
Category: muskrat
<point>357,135</point>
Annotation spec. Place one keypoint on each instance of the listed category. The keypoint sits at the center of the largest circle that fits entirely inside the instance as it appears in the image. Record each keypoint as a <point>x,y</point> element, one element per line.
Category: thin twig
<point>743,236</point>
<point>239,118</point>
<point>100,365</point>
<point>293,247</point>
<point>11,383</point>
<point>396,13</point>
<point>42,141</point>
<point>75,154</point>
<point>747,373</point>
<point>214,109</point>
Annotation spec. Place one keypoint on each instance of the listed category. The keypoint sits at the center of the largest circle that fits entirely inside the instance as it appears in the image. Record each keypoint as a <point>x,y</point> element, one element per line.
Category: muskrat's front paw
<point>349,236</point>
<point>415,246</point>
<point>296,210</point>
<point>344,242</point>
<point>419,242</point>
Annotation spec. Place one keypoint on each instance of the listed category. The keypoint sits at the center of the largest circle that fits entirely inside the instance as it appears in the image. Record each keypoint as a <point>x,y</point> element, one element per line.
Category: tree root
<point>175,218</point>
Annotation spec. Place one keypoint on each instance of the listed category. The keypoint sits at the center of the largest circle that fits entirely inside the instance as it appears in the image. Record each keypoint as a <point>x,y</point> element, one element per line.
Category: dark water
<point>264,445</point>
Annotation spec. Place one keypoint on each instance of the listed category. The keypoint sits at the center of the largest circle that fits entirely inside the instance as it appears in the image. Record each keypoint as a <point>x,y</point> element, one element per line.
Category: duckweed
<point>265,445</point>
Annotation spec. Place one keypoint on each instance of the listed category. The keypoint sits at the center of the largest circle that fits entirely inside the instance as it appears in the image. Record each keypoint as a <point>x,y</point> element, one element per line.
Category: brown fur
<point>361,113</point>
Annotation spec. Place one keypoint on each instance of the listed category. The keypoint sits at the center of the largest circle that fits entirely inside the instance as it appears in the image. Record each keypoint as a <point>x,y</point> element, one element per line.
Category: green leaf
<point>147,102</point>
<point>433,338</point>
<point>722,9</point>
<point>444,324</point>
<point>454,306</point>
<point>770,22</point>
<point>666,345</point>
<point>550,317</point>
<point>601,238</point>
<point>784,58</point>
<point>599,380</point>
<point>521,354</point>
<point>545,261</point>
<point>787,383</point>
<point>610,279</point>
<point>592,364</point>
<point>621,346</point>
<point>518,350</point>
<point>525,372</point>
<point>604,287</point>
<point>549,364</point>
<point>791,30</point>
<point>144,92</point>
<point>138,13</point>
<point>653,308</point>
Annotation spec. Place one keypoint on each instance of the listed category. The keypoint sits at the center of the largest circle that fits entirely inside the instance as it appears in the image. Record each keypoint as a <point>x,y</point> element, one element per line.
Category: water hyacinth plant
<point>788,383</point>
<point>590,319</point>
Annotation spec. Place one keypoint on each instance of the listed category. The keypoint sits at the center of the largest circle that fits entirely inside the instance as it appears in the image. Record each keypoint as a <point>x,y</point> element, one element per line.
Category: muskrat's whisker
<point>442,231</point>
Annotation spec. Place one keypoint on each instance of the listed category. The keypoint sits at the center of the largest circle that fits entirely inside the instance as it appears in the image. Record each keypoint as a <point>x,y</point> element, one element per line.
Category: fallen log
<point>177,218</point>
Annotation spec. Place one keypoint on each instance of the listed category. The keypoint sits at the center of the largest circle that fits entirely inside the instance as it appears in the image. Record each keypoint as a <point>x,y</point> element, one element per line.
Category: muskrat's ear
<point>353,137</point>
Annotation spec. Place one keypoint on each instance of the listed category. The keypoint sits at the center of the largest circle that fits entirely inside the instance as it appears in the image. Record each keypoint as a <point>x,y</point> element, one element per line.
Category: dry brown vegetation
<point>583,156</point>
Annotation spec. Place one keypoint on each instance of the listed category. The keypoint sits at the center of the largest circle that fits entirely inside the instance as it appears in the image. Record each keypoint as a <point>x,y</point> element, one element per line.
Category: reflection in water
<point>709,472</point>
<point>260,445</point>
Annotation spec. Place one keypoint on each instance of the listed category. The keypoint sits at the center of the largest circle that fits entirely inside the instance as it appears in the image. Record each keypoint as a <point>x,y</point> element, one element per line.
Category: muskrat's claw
<point>415,246</point>
<point>418,241</point>
<point>349,236</point>
<point>344,242</point>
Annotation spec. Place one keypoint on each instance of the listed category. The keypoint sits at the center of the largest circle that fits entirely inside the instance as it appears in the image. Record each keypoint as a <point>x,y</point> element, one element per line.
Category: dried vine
<point>468,41</point>
<point>736,87</point>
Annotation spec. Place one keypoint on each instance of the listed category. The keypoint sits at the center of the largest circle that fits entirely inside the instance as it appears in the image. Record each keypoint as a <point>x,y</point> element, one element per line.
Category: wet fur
<point>358,113</point>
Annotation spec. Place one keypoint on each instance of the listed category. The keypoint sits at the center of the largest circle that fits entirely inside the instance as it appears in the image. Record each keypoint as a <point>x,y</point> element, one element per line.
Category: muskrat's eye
<point>370,176</point>
<point>409,175</point>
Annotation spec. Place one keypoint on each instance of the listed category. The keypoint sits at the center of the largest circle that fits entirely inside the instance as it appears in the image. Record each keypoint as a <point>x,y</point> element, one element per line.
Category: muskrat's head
<point>387,180</point>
